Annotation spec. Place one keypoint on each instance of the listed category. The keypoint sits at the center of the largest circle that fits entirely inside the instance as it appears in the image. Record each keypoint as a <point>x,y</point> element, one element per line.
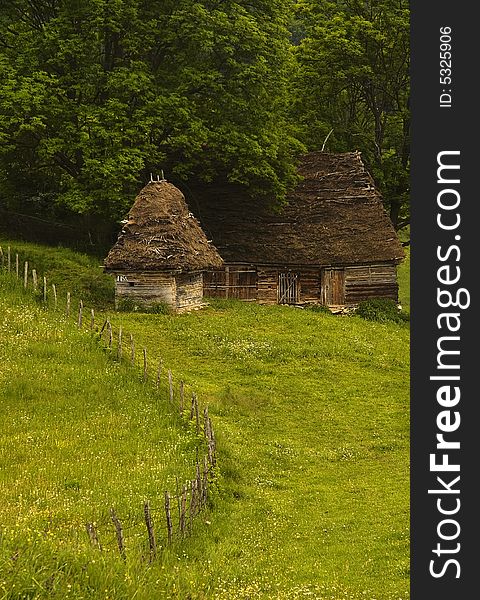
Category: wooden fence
<point>190,498</point>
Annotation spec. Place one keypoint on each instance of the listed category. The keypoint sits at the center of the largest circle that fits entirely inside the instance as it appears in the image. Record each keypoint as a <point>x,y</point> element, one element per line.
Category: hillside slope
<point>312,422</point>
<point>81,434</point>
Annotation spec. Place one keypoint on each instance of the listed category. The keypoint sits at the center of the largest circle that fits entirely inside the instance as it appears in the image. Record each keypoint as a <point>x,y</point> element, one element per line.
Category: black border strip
<point>447,124</point>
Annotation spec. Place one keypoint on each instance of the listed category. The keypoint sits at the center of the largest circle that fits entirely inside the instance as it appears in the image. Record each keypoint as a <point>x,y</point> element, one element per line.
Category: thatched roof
<point>334,216</point>
<point>161,234</point>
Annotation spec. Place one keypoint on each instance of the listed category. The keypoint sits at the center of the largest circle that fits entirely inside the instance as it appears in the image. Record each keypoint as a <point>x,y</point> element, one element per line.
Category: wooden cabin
<point>331,244</point>
<point>161,252</point>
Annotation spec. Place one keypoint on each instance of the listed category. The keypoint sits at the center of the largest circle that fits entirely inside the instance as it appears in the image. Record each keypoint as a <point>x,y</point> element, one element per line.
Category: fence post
<point>206,424</point>
<point>54,290</point>
<point>212,446</point>
<point>67,308</point>
<point>132,350</point>
<point>199,485</point>
<point>110,334</point>
<point>182,397</point>
<point>159,372</point>
<point>183,509</point>
<point>92,534</point>
<point>119,532</point>
<point>119,348</point>
<point>9,259</point>
<point>197,416</point>
<point>3,258</point>
<point>35,280</point>
<point>170,385</point>
<point>45,290</point>
<point>25,275</point>
<point>193,500</point>
<point>205,481</point>
<point>168,515</point>
<point>151,535</point>
<point>92,320</point>
<point>16,265</point>
<point>80,314</point>
<point>144,365</point>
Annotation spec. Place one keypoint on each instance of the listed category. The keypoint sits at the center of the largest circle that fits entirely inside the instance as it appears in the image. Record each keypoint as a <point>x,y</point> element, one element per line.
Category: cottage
<point>161,252</point>
<point>332,244</point>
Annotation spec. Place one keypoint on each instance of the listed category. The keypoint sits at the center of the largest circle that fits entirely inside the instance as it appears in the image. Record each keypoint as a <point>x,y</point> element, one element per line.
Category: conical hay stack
<point>161,234</point>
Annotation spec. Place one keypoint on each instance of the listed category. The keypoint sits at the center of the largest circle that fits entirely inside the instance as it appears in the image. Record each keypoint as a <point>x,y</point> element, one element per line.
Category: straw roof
<point>161,234</point>
<point>334,216</point>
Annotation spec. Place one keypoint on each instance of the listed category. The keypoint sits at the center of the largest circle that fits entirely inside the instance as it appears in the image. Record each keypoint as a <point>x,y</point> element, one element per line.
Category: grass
<point>70,271</point>
<point>311,416</point>
<point>80,434</point>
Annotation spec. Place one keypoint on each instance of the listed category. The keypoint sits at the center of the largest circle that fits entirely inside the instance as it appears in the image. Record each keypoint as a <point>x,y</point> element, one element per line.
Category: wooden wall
<point>181,291</point>
<point>307,281</point>
<point>145,288</point>
<point>239,281</point>
<point>332,286</point>
<point>189,288</point>
<point>261,283</point>
<point>374,281</point>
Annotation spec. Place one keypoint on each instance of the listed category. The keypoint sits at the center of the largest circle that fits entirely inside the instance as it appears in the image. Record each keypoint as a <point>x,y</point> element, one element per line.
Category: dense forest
<point>97,94</point>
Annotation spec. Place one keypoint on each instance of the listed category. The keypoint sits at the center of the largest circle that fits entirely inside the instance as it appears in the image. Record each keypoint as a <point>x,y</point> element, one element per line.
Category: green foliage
<point>158,308</point>
<point>97,94</point>
<point>353,77</point>
<point>381,310</point>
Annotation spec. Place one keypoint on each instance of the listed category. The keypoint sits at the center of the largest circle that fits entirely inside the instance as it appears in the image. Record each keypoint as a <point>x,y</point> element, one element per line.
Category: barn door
<point>288,292</point>
<point>333,287</point>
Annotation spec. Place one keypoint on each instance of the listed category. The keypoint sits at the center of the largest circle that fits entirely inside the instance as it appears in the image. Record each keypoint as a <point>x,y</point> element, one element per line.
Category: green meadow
<point>311,416</point>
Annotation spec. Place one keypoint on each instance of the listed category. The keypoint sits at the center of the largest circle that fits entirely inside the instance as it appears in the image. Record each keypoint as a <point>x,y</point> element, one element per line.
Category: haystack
<point>161,252</point>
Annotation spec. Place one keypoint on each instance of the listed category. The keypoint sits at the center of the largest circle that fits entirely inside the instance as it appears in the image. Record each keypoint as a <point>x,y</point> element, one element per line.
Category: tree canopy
<point>353,78</point>
<point>97,94</point>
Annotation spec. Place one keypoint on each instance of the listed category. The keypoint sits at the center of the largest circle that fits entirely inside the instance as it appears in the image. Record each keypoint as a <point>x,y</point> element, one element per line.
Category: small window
<point>131,283</point>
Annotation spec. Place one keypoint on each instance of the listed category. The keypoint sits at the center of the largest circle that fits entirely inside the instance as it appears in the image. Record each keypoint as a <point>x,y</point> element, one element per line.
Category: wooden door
<point>333,287</point>
<point>288,288</point>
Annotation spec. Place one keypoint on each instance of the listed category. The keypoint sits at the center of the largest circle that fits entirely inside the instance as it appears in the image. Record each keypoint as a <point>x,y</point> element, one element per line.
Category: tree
<point>96,94</point>
<point>353,77</point>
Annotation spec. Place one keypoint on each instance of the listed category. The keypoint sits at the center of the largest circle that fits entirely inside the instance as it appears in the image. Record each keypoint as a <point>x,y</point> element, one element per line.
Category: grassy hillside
<point>311,416</point>
<point>312,420</point>
<point>70,271</point>
<point>80,434</point>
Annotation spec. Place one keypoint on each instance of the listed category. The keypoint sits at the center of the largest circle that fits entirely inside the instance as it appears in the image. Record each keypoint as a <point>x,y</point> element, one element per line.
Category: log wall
<point>332,286</point>
<point>238,281</point>
<point>189,291</point>
<point>180,291</point>
<point>261,283</point>
<point>374,281</point>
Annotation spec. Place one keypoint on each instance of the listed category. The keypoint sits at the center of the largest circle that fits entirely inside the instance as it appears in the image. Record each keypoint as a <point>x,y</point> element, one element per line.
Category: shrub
<point>126,305</point>
<point>155,308</point>
<point>381,310</point>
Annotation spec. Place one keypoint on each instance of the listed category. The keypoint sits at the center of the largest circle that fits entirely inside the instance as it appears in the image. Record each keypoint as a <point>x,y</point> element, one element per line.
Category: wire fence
<point>151,527</point>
